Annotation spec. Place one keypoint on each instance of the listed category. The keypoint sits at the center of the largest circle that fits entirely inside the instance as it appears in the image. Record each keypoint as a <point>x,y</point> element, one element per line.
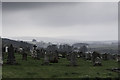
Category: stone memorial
<point>38,54</point>
<point>96,59</point>
<point>73,59</point>
<point>34,54</point>
<point>88,56</point>
<point>46,59</point>
<point>95,55</point>
<point>97,62</point>
<point>105,56</point>
<point>11,57</point>
<point>24,55</point>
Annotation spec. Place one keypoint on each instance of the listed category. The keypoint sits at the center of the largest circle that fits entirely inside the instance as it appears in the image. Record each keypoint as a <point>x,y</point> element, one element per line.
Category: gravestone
<point>53,53</point>
<point>96,58</point>
<point>105,56</point>
<point>73,59</point>
<point>68,56</point>
<point>38,54</point>
<point>97,62</point>
<point>46,59</point>
<point>118,58</point>
<point>20,50</point>
<point>11,57</point>
<point>6,49</point>
<point>42,51</point>
<point>80,54</point>
<point>88,56</point>
<point>51,57</point>
<point>24,55</point>
<point>3,53</point>
<point>34,54</point>
<point>95,55</point>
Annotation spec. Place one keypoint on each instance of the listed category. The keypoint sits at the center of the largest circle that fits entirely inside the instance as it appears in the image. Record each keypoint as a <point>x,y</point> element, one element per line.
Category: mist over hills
<point>62,40</point>
<point>100,46</point>
<point>45,41</point>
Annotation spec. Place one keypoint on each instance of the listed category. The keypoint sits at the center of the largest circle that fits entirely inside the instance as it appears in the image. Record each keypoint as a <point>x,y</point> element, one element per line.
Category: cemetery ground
<point>33,69</point>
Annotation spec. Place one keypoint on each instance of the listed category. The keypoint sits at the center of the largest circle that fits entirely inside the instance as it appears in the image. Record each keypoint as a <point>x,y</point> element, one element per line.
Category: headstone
<point>24,55</point>
<point>34,47</point>
<point>3,53</point>
<point>6,49</point>
<point>46,59</point>
<point>38,54</point>
<point>80,54</point>
<point>95,55</point>
<point>55,56</point>
<point>118,58</point>
<point>51,57</point>
<point>34,54</point>
<point>96,58</point>
<point>68,56</point>
<point>20,50</point>
<point>11,56</point>
<point>105,56</point>
<point>73,59</point>
<point>88,56</point>
<point>97,62</point>
<point>42,51</point>
<point>53,53</point>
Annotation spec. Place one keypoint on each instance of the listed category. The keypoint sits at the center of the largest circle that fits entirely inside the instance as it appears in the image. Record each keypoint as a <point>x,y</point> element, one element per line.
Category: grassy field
<point>33,69</point>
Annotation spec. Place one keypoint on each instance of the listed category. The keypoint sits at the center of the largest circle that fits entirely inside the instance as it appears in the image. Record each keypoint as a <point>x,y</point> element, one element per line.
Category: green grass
<point>33,69</point>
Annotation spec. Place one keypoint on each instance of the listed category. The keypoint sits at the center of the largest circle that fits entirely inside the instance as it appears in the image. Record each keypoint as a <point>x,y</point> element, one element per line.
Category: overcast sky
<point>89,21</point>
<point>0,19</point>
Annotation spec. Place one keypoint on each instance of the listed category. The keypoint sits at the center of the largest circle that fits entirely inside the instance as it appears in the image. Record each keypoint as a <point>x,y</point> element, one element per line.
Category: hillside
<point>16,44</point>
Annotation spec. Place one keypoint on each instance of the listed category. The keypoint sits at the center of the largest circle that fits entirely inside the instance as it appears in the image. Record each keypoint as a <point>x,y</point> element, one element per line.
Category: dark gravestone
<point>68,56</point>
<point>51,57</point>
<point>63,54</point>
<point>53,53</point>
<point>34,54</point>
<point>46,59</point>
<point>42,51</point>
<point>96,59</point>
<point>34,47</point>
<point>118,58</point>
<point>11,56</point>
<point>105,56</point>
<point>80,54</point>
<point>55,59</point>
<point>95,55</point>
<point>97,62</point>
<point>24,55</point>
<point>88,56</point>
<point>38,54</point>
<point>3,53</point>
<point>73,59</point>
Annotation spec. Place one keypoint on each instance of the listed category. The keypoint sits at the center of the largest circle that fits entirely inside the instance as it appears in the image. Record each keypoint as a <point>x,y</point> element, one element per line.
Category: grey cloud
<point>65,14</point>
<point>54,15</point>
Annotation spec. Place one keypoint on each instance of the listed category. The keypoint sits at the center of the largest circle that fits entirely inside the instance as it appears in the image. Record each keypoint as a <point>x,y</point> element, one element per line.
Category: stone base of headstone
<point>97,64</point>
